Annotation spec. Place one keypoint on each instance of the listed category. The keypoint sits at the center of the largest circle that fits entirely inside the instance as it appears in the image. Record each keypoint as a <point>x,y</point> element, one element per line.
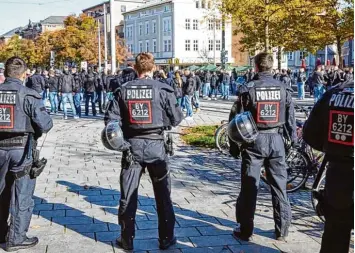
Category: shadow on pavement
<point>192,228</point>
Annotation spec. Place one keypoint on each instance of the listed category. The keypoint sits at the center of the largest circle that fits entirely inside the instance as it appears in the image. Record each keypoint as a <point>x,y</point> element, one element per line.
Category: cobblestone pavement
<point>78,194</point>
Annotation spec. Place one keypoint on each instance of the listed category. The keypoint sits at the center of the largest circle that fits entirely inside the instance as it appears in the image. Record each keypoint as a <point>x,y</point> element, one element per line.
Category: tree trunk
<point>279,57</point>
<point>266,42</point>
<point>339,52</point>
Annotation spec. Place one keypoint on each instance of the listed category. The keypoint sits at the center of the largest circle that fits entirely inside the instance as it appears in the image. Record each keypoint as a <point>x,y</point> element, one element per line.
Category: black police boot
<point>28,243</point>
<point>237,234</point>
<point>126,244</point>
<point>165,243</point>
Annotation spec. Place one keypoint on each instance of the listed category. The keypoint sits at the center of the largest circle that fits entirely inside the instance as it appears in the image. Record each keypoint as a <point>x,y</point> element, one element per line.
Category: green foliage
<point>201,136</point>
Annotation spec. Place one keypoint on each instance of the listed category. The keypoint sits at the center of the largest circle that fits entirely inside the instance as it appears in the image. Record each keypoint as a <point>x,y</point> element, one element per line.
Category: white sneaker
<point>65,117</point>
<point>76,117</point>
<point>209,99</point>
<point>189,118</point>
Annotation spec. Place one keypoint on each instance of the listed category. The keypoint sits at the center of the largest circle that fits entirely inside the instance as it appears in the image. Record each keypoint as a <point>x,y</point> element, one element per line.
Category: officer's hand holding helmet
<point>112,137</point>
<point>242,128</point>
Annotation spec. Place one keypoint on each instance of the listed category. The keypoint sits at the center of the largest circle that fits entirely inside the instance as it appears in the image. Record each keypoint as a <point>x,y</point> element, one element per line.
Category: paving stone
<point>215,230</point>
<point>139,245</point>
<point>197,222</point>
<point>253,248</point>
<point>218,240</point>
<point>88,228</point>
<point>72,220</point>
<point>53,213</point>
<point>43,207</point>
<point>298,247</point>
<point>107,236</point>
<point>216,249</point>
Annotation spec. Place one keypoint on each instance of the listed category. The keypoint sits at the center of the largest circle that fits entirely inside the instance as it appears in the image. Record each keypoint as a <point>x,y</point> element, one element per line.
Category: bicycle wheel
<point>297,169</point>
<point>320,190</point>
<point>221,139</point>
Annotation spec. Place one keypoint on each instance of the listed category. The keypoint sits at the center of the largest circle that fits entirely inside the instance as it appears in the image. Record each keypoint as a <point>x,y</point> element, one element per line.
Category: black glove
<point>234,150</point>
<point>127,159</point>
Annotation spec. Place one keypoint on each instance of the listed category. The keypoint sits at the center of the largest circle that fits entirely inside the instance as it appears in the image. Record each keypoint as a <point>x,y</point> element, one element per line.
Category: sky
<point>15,13</point>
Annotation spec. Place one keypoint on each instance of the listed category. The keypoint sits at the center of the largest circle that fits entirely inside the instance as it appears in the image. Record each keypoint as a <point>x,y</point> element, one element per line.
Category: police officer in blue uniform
<point>270,104</point>
<point>23,119</point>
<point>330,128</point>
<point>144,108</point>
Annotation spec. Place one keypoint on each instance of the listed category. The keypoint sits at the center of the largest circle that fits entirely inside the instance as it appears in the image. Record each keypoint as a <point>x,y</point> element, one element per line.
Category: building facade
<point>177,32</point>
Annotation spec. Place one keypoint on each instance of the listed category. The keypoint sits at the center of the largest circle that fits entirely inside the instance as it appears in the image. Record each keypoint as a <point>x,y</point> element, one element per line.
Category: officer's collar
<point>265,74</point>
<point>13,80</point>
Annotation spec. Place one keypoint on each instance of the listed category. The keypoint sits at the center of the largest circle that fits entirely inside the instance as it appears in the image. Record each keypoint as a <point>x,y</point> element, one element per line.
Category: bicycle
<point>221,138</point>
<point>318,190</point>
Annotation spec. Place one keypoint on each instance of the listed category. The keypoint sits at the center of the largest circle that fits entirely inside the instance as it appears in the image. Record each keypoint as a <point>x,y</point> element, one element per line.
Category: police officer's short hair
<point>264,62</point>
<point>144,62</point>
<point>15,67</point>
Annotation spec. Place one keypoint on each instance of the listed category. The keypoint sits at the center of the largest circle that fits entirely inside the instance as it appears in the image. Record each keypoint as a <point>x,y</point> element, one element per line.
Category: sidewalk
<point>77,199</point>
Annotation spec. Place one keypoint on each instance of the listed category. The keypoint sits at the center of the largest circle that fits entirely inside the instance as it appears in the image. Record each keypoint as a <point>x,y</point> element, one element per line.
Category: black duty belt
<point>270,131</point>
<point>20,174</point>
<point>18,141</point>
<point>149,137</point>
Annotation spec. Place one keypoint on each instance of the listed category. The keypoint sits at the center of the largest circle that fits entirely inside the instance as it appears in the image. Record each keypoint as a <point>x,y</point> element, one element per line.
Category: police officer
<point>330,128</point>
<point>142,107</point>
<point>271,106</point>
<point>24,119</point>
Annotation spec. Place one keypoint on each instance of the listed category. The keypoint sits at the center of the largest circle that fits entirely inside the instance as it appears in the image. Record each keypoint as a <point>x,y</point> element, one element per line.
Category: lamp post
<point>113,36</point>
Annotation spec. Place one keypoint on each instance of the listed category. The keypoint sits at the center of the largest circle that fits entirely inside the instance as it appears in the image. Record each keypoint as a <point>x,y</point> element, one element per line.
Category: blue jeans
<point>234,88</point>
<point>196,99</point>
<point>226,92</point>
<point>206,89</point>
<point>90,96</point>
<point>53,99</point>
<point>77,103</point>
<point>213,92</point>
<point>318,92</point>
<point>300,89</point>
<point>179,101</point>
<point>68,97</point>
<point>188,105</point>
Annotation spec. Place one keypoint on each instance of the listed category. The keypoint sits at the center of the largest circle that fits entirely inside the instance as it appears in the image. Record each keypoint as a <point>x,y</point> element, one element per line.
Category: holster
<point>37,165</point>
<point>127,159</point>
<point>169,144</point>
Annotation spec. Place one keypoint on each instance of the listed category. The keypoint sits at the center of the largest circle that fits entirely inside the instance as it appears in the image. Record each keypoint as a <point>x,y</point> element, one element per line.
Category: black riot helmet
<point>112,137</point>
<point>242,129</point>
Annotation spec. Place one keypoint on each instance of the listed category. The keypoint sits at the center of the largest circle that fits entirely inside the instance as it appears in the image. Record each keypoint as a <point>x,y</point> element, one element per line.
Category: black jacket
<point>318,78</point>
<point>337,78</point>
<point>286,80</point>
<point>53,84</point>
<point>36,82</point>
<point>197,83</point>
<point>78,83</point>
<point>189,85</point>
<point>66,83</point>
<point>301,77</point>
<point>177,89</point>
<point>128,74</point>
<point>214,80</point>
<point>90,82</point>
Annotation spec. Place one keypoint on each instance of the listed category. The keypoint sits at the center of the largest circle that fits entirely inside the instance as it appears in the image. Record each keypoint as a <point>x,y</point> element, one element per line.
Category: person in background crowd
<point>337,76</point>
<point>103,77</point>
<point>285,78</point>
<point>98,89</point>
<point>277,75</point>
<point>188,90</point>
<point>58,74</point>
<point>89,84</point>
<point>2,76</point>
<point>301,79</point>
<point>78,84</point>
<point>318,83</point>
<point>349,74</point>
<point>129,74</point>
<point>226,85</point>
<point>66,89</point>
<point>107,82</point>
<point>207,85</point>
<point>53,85</point>
<point>177,86</point>
<point>196,97</point>
<point>36,82</point>
<point>161,77</point>
<point>45,91</point>
<point>234,77</point>
<point>214,91</point>
<point>116,81</point>
<point>328,77</point>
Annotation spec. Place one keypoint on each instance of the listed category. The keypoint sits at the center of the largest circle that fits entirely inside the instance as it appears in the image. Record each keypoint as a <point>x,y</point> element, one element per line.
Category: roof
<point>54,20</point>
<point>10,33</point>
<point>108,2</point>
<point>148,5</point>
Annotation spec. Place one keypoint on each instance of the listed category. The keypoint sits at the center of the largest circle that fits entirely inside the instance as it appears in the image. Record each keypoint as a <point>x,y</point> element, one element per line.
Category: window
<point>290,56</point>
<point>187,45</point>
<point>140,28</point>
<point>210,24</point>
<point>218,24</point>
<point>203,4</point>
<point>218,45</point>
<point>167,25</point>
<point>147,46</point>
<point>187,24</point>
<point>197,4</point>
<point>154,46</point>
<point>209,4</point>
<point>129,32</point>
<point>167,45</point>
<point>195,24</point>
<point>146,27</point>
<point>129,47</point>
<point>123,8</point>
<point>195,45</point>
<point>140,47</point>
<point>210,45</point>
<point>154,26</point>
<point>302,55</point>
<point>166,8</point>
